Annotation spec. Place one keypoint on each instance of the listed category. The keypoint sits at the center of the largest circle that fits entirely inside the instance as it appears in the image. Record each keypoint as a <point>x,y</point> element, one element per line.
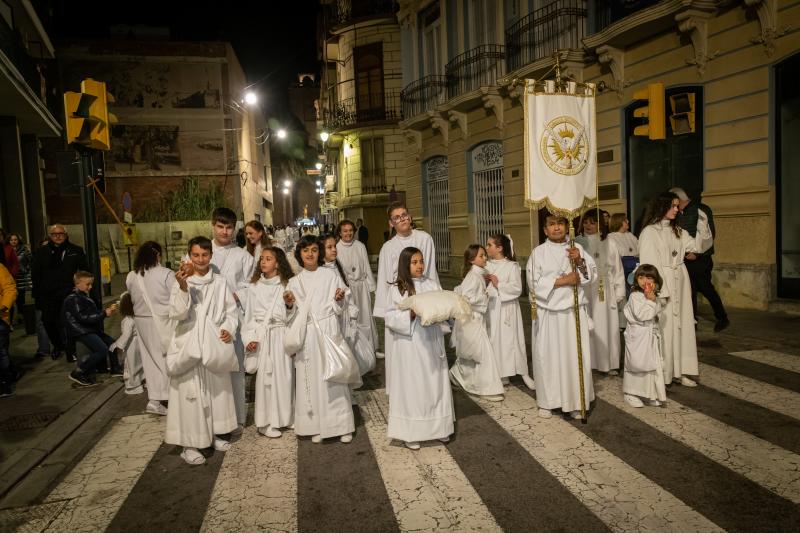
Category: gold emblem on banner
<point>564,146</point>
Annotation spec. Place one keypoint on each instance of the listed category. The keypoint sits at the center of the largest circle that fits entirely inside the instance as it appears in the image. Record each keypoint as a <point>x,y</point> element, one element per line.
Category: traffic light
<point>655,121</point>
<point>682,117</point>
<point>88,120</point>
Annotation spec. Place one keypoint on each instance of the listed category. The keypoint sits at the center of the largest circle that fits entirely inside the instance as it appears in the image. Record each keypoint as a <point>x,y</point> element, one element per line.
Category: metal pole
<point>577,309</point>
<point>90,240</point>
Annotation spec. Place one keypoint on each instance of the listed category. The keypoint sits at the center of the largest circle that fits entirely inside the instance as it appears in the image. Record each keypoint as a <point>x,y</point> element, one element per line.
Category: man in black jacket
<point>700,269</point>
<point>83,322</point>
<point>362,233</point>
<point>54,266</point>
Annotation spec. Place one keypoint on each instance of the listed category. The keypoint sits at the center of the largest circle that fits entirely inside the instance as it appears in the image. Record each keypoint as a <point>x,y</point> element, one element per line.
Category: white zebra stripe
<point>619,495</point>
<point>428,490</point>
<point>768,465</point>
<point>751,390</point>
<point>256,488</point>
<point>772,358</point>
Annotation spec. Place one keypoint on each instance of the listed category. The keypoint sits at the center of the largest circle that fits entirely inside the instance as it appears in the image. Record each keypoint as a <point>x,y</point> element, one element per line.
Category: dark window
<point>369,82</point>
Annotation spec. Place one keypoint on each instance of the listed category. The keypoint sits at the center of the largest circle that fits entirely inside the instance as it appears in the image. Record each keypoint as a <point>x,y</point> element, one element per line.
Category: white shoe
<point>529,382</point>
<point>505,381</point>
<point>687,382</point>
<point>412,445</point>
<point>221,445</point>
<point>444,440</point>
<point>545,413</point>
<point>576,415</point>
<point>192,456</point>
<point>346,438</point>
<point>270,432</point>
<point>316,439</point>
<point>613,372</point>
<point>654,403</point>
<point>494,398</point>
<point>290,426</point>
<point>633,401</point>
<point>379,355</point>
<point>155,408</point>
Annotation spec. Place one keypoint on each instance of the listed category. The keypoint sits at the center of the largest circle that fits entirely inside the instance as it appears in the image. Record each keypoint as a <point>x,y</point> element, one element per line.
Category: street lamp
<point>250,98</point>
<point>281,133</point>
<point>318,165</point>
<point>324,135</point>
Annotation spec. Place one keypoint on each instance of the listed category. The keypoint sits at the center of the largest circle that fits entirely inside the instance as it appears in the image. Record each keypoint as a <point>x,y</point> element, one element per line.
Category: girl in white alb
<point>421,402</point>
<point>643,379</point>
<point>505,317</point>
<point>478,378</point>
<point>322,408</point>
<point>129,346</point>
<point>605,294</point>
<point>352,254</point>
<point>263,330</point>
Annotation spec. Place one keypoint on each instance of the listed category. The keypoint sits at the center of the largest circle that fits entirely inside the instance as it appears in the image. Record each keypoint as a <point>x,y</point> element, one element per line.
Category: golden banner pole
<point>577,309</point>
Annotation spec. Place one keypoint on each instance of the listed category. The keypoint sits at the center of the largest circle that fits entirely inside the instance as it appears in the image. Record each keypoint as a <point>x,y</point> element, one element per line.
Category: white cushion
<point>436,306</point>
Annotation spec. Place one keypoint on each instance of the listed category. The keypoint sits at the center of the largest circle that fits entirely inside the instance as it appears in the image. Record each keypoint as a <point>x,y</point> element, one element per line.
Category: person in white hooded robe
<point>400,220</point>
<point>505,316</point>
<point>201,357</point>
<point>352,254</point>
<point>605,294</point>
<point>421,404</point>
<point>555,356</point>
<point>266,317</point>
<point>479,378</point>
<point>666,246</point>
<point>323,409</point>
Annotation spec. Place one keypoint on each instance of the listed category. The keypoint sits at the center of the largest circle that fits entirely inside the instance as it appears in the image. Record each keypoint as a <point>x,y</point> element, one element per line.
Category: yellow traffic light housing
<point>88,121</point>
<point>683,113</point>
<point>655,127</point>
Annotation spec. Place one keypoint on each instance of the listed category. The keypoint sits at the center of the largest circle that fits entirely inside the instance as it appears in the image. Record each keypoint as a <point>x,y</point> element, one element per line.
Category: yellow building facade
<point>463,124</point>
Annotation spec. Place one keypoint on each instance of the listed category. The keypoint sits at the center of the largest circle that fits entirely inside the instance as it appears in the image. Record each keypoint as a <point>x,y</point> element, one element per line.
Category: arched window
<point>486,167</point>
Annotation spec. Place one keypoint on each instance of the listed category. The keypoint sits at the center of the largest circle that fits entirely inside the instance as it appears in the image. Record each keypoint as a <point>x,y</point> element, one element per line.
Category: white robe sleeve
<point>367,268</point>
<point>650,254</point>
<point>230,321</point>
<point>512,289</point>
<point>397,320</point>
<point>474,291</point>
<point>254,315</point>
<point>703,240</point>
<point>616,272</point>
<point>529,277</point>
<point>382,289</point>
<point>641,309</point>
<point>429,253</point>
<point>543,283</point>
<point>688,243</point>
<point>179,303</point>
<point>126,336</point>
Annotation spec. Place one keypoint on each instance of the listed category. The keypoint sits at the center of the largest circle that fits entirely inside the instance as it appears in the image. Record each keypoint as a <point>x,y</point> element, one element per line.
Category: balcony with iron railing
<point>475,68</point>
<point>607,12</point>
<point>423,95</point>
<point>362,109</point>
<point>12,46</point>
<point>374,183</point>
<point>347,12</point>
<point>559,25</point>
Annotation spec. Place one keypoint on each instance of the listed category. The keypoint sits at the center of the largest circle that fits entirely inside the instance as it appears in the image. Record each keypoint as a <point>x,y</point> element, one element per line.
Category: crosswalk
<point>683,467</point>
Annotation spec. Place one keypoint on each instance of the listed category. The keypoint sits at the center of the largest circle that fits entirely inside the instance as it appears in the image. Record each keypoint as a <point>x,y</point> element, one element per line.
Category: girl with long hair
<point>421,402</point>
<point>626,242</point>
<point>666,246</point>
<point>263,330</point>
<point>128,347</point>
<point>352,255</point>
<point>256,238</point>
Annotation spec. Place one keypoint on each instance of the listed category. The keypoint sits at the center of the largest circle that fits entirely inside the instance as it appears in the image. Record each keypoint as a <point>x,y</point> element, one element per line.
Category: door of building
<point>437,209</point>
<point>487,188</point>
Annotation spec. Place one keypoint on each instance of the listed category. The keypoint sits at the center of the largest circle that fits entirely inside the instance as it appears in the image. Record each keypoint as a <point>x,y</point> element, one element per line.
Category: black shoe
<point>116,371</point>
<point>721,324</point>
<point>80,378</point>
<point>71,358</point>
<point>6,390</point>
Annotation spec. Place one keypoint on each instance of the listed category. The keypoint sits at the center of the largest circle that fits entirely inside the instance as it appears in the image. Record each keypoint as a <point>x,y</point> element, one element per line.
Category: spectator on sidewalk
<point>9,255</point>
<point>698,216</point>
<point>362,233</point>
<point>8,294</point>
<point>54,266</point>
<point>83,322</point>
<point>23,277</point>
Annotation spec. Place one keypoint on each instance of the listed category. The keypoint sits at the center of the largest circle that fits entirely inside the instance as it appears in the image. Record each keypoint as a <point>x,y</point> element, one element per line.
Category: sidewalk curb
<point>22,462</point>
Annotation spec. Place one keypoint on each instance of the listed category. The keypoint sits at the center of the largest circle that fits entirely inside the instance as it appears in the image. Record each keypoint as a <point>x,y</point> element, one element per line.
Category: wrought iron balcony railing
<point>12,47</point>
<point>557,26</point>
<point>607,12</point>
<point>475,68</point>
<point>349,11</point>
<point>360,109</point>
<point>423,95</point>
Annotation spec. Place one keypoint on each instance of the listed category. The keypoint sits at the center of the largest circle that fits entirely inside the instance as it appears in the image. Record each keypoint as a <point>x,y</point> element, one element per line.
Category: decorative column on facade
<point>695,23</point>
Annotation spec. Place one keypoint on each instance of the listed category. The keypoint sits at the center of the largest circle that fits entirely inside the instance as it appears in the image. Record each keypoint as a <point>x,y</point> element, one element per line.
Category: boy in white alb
<point>236,266</point>
<point>555,356</point>
<point>406,237</point>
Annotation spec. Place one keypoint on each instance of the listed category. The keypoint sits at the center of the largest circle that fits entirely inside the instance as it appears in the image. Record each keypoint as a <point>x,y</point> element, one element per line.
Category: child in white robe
<point>127,347</point>
<point>478,378</point>
<point>421,403</point>
<point>322,408</point>
<point>266,317</point>
<point>644,365</point>
<point>555,357</point>
<point>626,242</point>
<point>605,294</point>
<point>201,357</point>
<point>505,317</point>
<point>352,255</point>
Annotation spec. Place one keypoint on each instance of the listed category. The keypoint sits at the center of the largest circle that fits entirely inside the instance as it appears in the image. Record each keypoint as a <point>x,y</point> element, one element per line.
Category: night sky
<point>274,39</point>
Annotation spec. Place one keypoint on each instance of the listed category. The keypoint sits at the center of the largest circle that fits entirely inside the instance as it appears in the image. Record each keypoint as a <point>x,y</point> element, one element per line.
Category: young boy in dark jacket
<point>83,322</point>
